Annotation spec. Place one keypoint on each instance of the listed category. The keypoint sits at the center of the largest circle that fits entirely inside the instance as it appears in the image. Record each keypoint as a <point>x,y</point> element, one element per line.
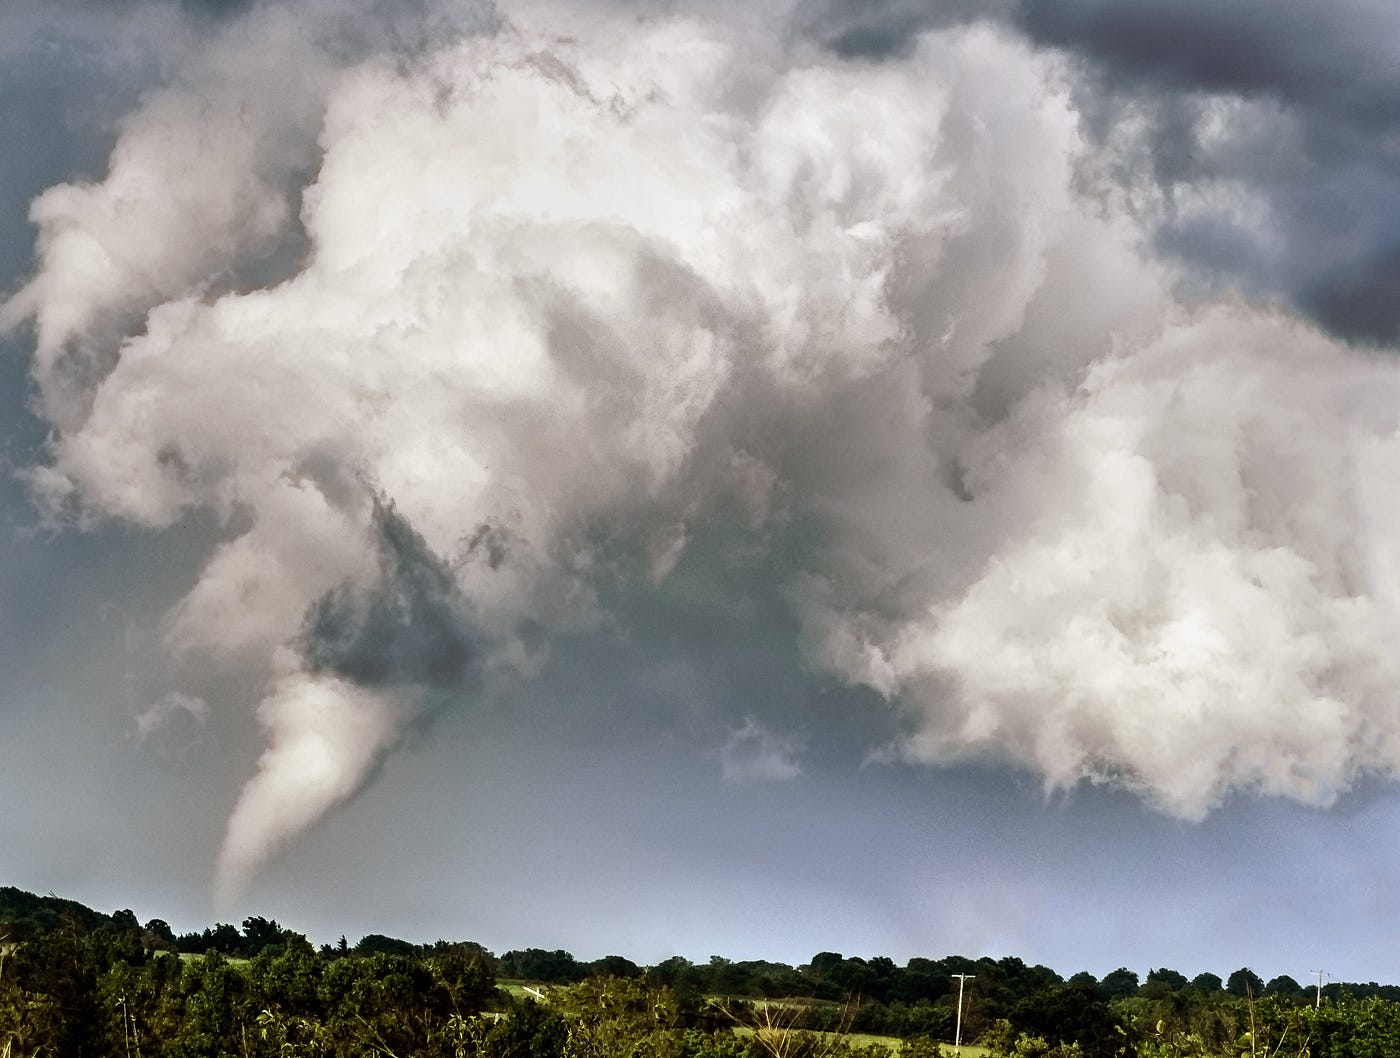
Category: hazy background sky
<point>897,478</point>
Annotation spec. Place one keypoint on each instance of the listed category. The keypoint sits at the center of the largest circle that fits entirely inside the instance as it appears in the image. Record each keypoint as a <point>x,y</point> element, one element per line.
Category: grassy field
<point>521,989</point>
<point>865,1039</point>
<point>188,956</point>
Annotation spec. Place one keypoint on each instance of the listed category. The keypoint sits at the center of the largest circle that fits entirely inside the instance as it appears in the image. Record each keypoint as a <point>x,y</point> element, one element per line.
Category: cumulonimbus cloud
<point>570,290</point>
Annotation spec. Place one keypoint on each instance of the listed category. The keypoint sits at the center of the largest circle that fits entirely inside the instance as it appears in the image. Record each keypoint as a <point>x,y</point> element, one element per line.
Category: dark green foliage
<point>722,1044</point>
<point>261,933</point>
<point>1244,982</point>
<point>1069,1014</point>
<point>1207,982</point>
<point>614,966</point>
<point>222,938</point>
<point>158,934</point>
<point>1119,984</point>
<point>74,982</point>
<point>529,1031</point>
<point>1164,982</point>
<point>536,964</point>
<point>71,990</point>
<point>682,977</point>
<point>922,1019</point>
<point>1348,1028</point>
<point>378,944</point>
<point>1284,987</point>
<point>613,1016</point>
<point>24,915</point>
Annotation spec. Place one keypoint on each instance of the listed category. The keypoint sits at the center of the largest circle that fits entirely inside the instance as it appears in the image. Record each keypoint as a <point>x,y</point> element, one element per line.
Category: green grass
<point>894,1043</point>
<point>519,989</point>
<point>187,956</point>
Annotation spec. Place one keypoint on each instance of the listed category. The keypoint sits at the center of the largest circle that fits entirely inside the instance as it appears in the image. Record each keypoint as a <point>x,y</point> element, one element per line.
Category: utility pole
<point>1320,975</point>
<point>126,1028</point>
<point>962,980</point>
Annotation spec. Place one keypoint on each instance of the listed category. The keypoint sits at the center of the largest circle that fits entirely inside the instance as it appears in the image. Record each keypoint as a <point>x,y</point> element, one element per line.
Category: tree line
<point>76,982</point>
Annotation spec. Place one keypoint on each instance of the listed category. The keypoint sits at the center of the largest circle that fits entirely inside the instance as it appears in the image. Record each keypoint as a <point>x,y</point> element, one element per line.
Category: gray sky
<point>892,478</point>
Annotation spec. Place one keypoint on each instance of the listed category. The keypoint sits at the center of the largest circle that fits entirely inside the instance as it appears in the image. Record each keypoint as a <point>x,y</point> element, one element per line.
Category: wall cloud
<point>454,333</point>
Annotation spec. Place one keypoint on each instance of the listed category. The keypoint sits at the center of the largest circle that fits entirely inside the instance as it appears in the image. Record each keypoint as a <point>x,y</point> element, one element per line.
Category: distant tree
<point>190,943</point>
<point>1119,984</point>
<point>159,935</point>
<point>682,977</point>
<point>378,944</point>
<point>223,938</point>
<point>1084,979</point>
<point>260,933</point>
<point>851,977</point>
<point>1283,986</point>
<point>536,964</point>
<point>921,979</point>
<point>1207,982</point>
<point>1244,981</point>
<point>822,973</point>
<point>726,977</point>
<point>1176,981</point>
<point>1162,983</point>
<point>23,914</point>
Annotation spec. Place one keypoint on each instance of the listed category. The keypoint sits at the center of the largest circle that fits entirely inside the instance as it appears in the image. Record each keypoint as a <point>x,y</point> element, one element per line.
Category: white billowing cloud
<point>752,753</point>
<point>1195,602</point>
<point>199,186</point>
<point>585,283</point>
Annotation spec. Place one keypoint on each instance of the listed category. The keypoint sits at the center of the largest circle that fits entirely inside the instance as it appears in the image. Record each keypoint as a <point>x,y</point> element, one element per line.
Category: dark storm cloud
<point>409,626</point>
<point>859,29</point>
<point>1258,136</point>
<point>1333,59</point>
<point>1309,137</point>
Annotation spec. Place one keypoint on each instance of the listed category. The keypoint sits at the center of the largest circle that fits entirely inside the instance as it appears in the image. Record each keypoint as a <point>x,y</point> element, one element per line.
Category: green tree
<point>223,938</point>
<point>1244,982</point>
<point>1119,984</point>
<point>1068,1014</point>
<point>260,933</point>
<point>614,1016</point>
<point>158,934</point>
<point>1170,980</point>
<point>1285,987</point>
<point>614,966</point>
<point>528,1031</point>
<point>463,978</point>
<point>378,944</point>
<point>536,964</point>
